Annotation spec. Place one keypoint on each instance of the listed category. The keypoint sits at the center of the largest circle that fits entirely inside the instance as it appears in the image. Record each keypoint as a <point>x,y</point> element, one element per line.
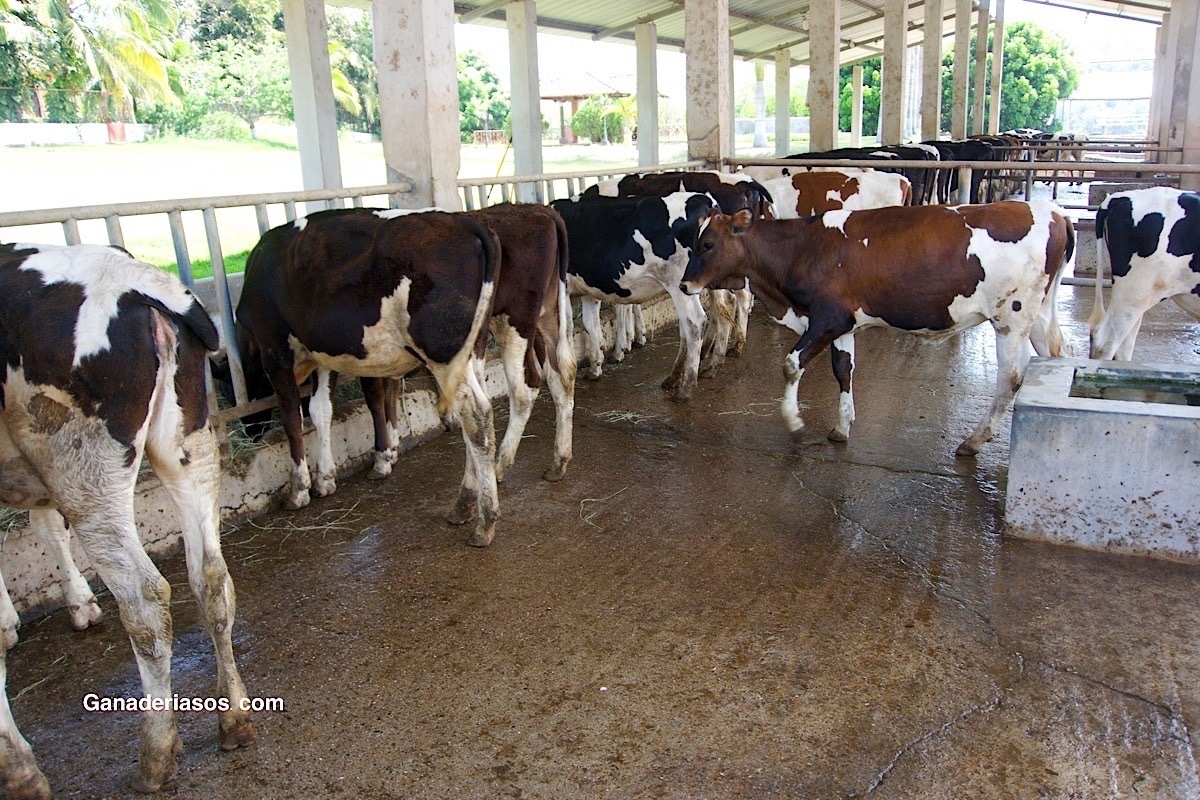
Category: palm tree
<point>123,42</point>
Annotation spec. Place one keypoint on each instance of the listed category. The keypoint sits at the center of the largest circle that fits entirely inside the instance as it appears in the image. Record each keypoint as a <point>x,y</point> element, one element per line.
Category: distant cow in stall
<point>1150,240</point>
<point>632,250</point>
<point>923,180</point>
<point>348,292</point>
<point>932,270</point>
<point>807,193</point>
<point>725,325</point>
<point>1063,147</point>
<point>106,361</point>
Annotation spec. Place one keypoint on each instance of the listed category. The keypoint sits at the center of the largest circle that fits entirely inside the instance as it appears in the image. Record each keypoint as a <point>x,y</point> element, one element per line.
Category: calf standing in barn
<point>344,291</point>
<point>105,361</point>
<point>1150,238</point>
<point>931,270</point>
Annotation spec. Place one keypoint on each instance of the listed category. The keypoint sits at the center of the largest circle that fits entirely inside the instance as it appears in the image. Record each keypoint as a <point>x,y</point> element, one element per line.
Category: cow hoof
<point>482,537</point>
<point>463,510</point>
<point>593,374</point>
<point>10,638</point>
<point>795,426</point>
<point>323,487</point>
<point>157,773</point>
<point>614,358</point>
<point>555,473</point>
<point>836,435</point>
<point>710,371</point>
<point>30,786</point>
<point>239,733</point>
<point>967,449</point>
<point>681,395</point>
<point>297,501</point>
<point>86,615</point>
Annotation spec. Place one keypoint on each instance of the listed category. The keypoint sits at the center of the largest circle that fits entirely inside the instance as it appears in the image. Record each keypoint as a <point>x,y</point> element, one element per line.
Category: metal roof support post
<point>646,35</point>
<point>824,43</point>
<point>981,35</point>
<point>993,126</point>
<point>962,55</point>
<point>521,17</point>
<point>783,102</point>
<point>891,101</point>
<point>931,69</point>
<point>706,48</point>
<point>312,95</point>
<point>418,99</point>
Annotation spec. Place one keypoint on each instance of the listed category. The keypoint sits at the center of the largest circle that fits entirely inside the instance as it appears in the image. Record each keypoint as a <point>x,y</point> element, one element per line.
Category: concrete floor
<point>704,608</point>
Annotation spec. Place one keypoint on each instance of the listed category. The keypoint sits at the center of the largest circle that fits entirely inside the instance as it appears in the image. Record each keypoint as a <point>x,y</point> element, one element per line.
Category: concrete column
<point>931,71</point>
<point>824,38</point>
<point>646,39</point>
<point>891,101</point>
<point>730,111</point>
<point>993,126</point>
<point>312,94</point>
<point>418,98</point>
<point>521,16</point>
<point>783,102</point>
<point>962,58</point>
<point>981,35</point>
<point>1185,107</point>
<point>706,48</point>
<point>856,105</point>
<point>1158,88</point>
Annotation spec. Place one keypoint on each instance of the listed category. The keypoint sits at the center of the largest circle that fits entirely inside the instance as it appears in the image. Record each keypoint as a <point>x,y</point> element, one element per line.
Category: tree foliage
<point>601,119</point>
<point>481,104</point>
<point>1039,70</point>
<point>872,81</point>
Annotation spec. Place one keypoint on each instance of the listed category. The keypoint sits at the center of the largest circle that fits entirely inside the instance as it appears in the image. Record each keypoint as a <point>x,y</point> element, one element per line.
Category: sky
<point>1092,37</point>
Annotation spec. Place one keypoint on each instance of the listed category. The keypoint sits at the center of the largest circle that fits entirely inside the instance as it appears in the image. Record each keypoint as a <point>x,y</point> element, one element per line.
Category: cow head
<point>719,257</point>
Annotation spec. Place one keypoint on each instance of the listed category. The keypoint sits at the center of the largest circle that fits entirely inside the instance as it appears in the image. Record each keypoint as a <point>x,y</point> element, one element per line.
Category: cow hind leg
<point>559,370</point>
<point>790,408</point>
<point>842,352</point>
<point>521,395</point>
<point>718,328</point>
<point>682,379</point>
<point>590,317</point>
<point>1012,357</point>
<point>22,778</point>
<point>77,594</point>
<point>741,321</point>
<point>9,619</point>
<point>622,332</point>
<point>190,473</point>
<point>320,409</point>
<point>377,395</point>
<point>477,497</point>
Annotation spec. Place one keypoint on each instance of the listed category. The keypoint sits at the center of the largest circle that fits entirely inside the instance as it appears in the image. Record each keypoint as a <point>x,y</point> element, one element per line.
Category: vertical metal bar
<point>1028,184</point>
<point>468,201</point>
<point>357,202</point>
<point>289,210</point>
<point>964,185</point>
<point>71,231</point>
<point>183,261</point>
<point>225,306</point>
<point>264,221</point>
<point>113,224</point>
<point>550,194</point>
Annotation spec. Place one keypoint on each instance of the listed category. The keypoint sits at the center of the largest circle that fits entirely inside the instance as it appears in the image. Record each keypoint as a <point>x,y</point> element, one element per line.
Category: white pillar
<point>1183,120</point>
<point>1159,87</point>
<point>783,102</point>
<point>312,94</point>
<point>931,77</point>
<point>418,98</point>
<point>891,102</point>
<point>730,111</point>
<point>521,16</point>
<point>962,57</point>
<point>856,105</point>
<point>824,38</point>
<point>993,126</point>
<point>981,35</point>
<point>646,38</point>
<point>706,45</point>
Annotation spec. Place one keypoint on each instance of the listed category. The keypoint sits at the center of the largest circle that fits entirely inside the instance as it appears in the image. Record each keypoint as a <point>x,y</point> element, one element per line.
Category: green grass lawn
<point>81,175</point>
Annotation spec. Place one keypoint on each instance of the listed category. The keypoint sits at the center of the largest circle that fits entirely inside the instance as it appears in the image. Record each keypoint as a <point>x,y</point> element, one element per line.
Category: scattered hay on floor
<point>588,517</point>
<point>633,417</point>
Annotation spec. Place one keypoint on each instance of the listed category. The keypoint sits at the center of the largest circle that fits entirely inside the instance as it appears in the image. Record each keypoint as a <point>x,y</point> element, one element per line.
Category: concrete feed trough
<point>1106,456</point>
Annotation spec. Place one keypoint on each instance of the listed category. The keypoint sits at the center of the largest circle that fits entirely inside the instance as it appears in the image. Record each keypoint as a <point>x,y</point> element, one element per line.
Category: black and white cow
<point>105,360</point>
<point>348,292</point>
<point>631,250</point>
<point>1150,238</point>
<point>929,270</point>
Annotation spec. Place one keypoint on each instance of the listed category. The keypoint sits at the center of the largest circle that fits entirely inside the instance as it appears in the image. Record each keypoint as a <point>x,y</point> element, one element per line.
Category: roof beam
<point>624,26</point>
<point>481,11</point>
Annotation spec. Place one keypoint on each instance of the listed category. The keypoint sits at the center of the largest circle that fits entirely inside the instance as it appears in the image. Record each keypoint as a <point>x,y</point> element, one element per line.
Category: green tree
<point>1039,70</point>
<point>247,81</point>
<point>481,104</point>
<point>351,56</point>
<point>872,80</point>
<point>601,119</point>
<point>248,21</point>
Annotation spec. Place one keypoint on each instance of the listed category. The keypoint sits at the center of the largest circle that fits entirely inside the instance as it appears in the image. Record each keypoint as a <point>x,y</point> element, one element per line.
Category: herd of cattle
<point>106,356</point>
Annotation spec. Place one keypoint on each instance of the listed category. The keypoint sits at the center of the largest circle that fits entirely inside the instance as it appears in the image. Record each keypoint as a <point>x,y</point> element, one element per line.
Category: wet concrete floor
<point>704,608</point>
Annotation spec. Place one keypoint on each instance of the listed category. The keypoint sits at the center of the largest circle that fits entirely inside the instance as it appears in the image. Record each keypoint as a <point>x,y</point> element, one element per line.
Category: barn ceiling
<point>758,27</point>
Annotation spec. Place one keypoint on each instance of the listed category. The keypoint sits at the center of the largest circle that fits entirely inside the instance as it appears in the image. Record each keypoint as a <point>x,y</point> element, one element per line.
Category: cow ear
<point>742,220</point>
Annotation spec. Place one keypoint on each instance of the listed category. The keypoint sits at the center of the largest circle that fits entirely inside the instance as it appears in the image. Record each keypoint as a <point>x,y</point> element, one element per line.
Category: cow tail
<point>1101,260</point>
<point>565,346</point>
<point>476,341</point>
<point>195,319</point>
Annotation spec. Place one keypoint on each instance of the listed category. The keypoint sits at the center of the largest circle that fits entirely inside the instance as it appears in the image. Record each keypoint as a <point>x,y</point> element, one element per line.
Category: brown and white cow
<point>348,292</point>
<point>531,321</point>
<point>804,194</point>
<point>930,270</point>
<point>104,361</point>
<point>1150,240</point>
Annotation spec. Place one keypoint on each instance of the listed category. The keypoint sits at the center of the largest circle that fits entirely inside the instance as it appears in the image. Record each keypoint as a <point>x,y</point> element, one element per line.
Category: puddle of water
<point>1136,389</point>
